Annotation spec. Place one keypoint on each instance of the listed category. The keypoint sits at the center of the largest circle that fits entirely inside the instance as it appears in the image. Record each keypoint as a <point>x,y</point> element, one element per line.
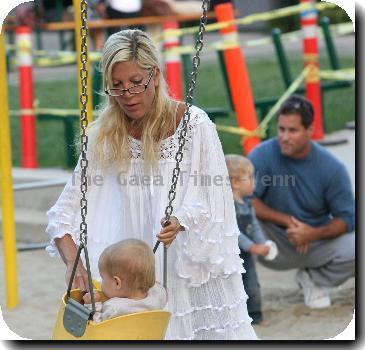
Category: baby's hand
<point>87,297</point>
<point>259,249</point>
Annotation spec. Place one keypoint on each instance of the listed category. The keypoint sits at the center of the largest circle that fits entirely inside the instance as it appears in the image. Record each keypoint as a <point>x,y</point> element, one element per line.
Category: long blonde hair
<point>109,133</point>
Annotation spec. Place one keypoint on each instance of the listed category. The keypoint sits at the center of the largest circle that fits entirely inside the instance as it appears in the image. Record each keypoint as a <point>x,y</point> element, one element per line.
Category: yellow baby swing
<point>74,320</point>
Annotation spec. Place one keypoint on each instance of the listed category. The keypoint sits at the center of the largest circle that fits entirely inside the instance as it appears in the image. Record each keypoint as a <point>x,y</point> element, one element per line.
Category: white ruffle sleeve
<point>64,217</point>
<point>209,245</point>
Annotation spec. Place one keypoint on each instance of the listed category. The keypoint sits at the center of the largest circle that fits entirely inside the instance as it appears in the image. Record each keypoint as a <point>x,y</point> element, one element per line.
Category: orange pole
<point>24,55</point>
<point>173,63</point>
<point>309,20</point>
<point>238,78</point>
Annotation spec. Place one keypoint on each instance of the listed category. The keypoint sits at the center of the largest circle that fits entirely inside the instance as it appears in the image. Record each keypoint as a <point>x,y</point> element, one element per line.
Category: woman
<point>132,147</point>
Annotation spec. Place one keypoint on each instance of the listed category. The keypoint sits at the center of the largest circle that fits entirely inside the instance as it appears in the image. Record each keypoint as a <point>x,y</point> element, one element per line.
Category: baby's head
<point>127,269</point>
<point>241,174</point>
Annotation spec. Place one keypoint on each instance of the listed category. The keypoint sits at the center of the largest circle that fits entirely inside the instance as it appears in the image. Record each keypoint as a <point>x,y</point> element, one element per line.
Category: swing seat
<point>146,325</point>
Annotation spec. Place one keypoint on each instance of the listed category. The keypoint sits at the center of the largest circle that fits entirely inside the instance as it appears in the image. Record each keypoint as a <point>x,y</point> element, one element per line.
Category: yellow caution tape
<point>218,45</point>
<point>336,29</point>
<point>239,131</point>
<point>341,74</point>
<point>60,58</point>
<point>283,12</point>
<point>264,16</point>
<point>260,131</point>
<point>56,112</point>
<point>223,44</point>
<point>291,89</point>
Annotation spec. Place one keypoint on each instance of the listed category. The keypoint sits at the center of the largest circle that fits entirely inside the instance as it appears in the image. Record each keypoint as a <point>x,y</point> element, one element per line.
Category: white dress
<point>205,290</point>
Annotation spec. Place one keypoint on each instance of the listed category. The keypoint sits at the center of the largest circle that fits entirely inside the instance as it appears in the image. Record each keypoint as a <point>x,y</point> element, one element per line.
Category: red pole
<point>309,19</point>
<point>24,56</point>
<point>173,63</point>
<point>238,77</point>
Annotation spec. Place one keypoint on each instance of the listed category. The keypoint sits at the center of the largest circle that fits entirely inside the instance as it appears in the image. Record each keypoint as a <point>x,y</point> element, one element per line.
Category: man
<point>305,204</point>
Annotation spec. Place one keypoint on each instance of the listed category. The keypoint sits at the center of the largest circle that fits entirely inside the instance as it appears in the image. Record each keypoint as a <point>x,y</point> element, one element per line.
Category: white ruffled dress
<point>205,291</point>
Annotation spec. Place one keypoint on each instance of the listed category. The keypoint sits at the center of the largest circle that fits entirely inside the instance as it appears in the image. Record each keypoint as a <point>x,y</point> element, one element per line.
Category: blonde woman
<point>132,149</point>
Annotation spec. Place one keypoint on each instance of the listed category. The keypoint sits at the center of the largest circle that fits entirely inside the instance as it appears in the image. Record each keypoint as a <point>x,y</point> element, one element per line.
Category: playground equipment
<point>7,199</point>
<point>76,318</point>
<point>148,325</point>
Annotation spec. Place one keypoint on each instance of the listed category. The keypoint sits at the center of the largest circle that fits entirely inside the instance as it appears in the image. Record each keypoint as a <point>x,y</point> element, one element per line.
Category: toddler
<point>127,270</point>
<point>251,241</point>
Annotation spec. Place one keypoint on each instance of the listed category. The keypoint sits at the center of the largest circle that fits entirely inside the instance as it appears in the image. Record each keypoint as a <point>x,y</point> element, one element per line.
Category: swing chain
<point>184,129</point>
<point>188,103</point>
<point>84,122</point>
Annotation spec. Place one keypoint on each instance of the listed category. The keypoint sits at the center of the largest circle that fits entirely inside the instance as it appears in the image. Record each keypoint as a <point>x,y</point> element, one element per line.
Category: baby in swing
<point>127,270</point>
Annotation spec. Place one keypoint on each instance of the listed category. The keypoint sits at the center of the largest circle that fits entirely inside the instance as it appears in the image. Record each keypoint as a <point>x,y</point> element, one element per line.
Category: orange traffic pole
<point>309,20</point>
<point>238,77</point>
<point>24,56</point>
<point>173,62</point>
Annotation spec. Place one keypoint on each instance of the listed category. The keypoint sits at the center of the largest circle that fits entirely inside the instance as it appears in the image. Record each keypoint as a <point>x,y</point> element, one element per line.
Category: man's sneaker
<point>314,297</point>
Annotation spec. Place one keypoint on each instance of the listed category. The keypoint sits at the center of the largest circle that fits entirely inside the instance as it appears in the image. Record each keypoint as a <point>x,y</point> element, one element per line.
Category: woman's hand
<point>170,231</point>
<point>81,280</point>
<point>68,251</point>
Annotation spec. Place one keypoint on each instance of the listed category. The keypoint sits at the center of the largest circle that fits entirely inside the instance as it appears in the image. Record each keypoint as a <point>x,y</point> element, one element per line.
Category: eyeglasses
<point>135,89</point>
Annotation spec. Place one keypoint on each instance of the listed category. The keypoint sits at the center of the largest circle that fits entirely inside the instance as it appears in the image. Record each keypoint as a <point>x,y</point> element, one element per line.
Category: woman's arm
<point>68,249</point>
<point>209,247</point>
<point>63,229</point>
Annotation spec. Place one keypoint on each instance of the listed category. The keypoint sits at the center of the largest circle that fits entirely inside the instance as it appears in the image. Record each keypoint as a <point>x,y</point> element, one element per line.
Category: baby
<point>251,241</point>
<point>127,270</point>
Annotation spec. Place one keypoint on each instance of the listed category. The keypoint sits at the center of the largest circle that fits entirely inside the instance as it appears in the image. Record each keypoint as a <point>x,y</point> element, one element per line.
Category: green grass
<point>339,105</point>
<point>266,81</point>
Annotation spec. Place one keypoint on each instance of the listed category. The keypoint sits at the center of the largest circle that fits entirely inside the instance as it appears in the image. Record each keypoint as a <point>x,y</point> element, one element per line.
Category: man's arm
<point>263,212</point>
<point>302,233</point>
<point>336,227</point>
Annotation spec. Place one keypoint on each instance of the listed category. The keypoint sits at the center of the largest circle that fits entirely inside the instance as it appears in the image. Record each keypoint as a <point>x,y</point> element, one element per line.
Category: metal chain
<point>83,159</point>
<point>84,122</point>
<point>186,118</point>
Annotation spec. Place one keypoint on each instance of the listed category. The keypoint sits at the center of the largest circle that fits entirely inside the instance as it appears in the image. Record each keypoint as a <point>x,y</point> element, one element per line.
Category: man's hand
<point>300,234</point>
<point>259,249</point>
<point>170,231</point>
